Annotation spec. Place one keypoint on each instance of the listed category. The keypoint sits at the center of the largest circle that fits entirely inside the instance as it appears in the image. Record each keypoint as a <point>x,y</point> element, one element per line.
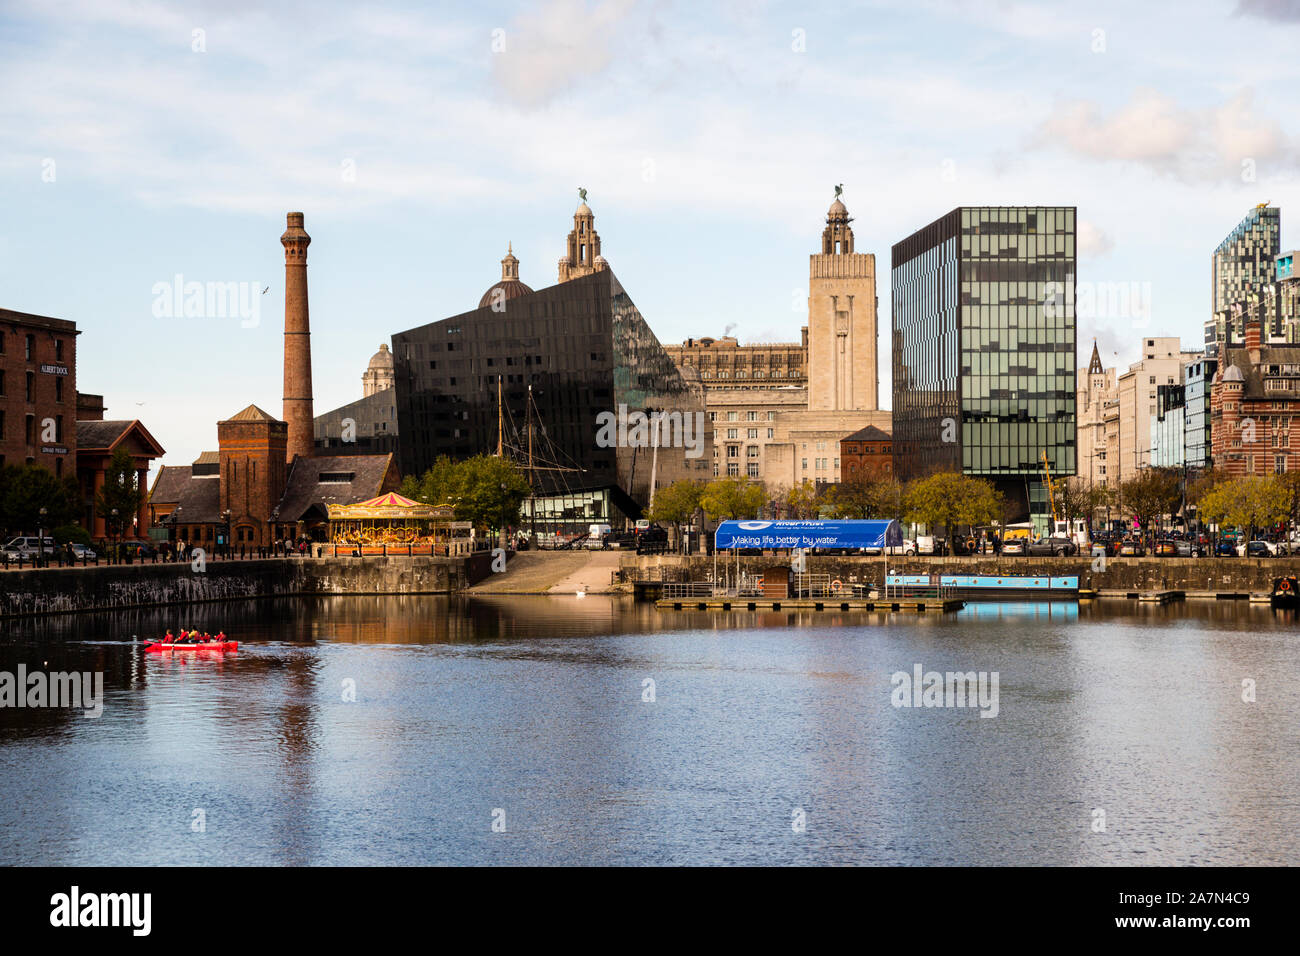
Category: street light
<point>226,517</point>
<point>40,538</point>
<point>113,523</point>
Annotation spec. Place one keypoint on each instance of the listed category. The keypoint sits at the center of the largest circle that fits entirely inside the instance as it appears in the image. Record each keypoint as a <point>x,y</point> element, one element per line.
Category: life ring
<point>1286,585</point>
<point>836,584</point>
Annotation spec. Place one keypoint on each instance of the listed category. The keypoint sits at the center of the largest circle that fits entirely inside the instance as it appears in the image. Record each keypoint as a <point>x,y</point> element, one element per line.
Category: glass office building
<point>1243,265</point>
<point>1197,377</point>
<point>1169,427</point>
<point>579,348</point>
<point>984,349</point>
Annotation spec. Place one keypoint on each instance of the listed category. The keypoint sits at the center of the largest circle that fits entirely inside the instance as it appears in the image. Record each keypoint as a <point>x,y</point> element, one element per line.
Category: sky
<point>142,141</point>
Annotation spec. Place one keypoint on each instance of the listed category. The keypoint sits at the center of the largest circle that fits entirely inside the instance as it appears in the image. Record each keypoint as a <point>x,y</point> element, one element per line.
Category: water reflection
<point>387,730</point>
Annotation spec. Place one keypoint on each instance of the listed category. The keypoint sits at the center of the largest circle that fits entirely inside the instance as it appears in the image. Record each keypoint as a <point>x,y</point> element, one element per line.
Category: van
<point>596,535</point>
<point>26,547</point>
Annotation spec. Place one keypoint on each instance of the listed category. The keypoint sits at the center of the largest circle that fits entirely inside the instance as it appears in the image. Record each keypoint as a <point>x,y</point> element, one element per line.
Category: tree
<point>728,499</point>
<point>864,496</point>
<point>803,501</point>
<point>1076,498</point>
<point>26,489</point>
<point>947,499</point>
<point>1151,493</point>
<point>437,486</point>
<point>487,491</point>
<point>119,493</point>
<point>676,504</point>
<point>1248,502</point>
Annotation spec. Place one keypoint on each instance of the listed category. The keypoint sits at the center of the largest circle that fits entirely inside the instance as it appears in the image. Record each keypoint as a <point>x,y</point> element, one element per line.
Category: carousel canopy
<point>391,505</point>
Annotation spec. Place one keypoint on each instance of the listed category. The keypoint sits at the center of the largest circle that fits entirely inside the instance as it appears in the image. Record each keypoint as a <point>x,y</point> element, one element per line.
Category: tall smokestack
<point>297,340</point>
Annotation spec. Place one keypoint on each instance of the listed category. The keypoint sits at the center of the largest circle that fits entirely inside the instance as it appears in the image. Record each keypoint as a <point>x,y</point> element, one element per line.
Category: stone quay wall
<point>65,590</point>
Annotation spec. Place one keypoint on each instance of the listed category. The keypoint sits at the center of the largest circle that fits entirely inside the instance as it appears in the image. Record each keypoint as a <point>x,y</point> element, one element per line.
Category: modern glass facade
<point>583,348</point>
<point>1169,428</point>
<point>1197,377</point>
<point>984,347</point>
<point>1243,266</point>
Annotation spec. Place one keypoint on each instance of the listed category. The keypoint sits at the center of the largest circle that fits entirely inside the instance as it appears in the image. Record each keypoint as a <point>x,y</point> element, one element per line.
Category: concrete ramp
<point>553,572</point>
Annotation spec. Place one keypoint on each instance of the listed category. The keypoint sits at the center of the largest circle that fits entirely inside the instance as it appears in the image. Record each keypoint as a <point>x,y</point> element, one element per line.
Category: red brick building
<point>1254,404</point>
<point>247,486</point>
<point>38,391</point>
<point>868,452</point>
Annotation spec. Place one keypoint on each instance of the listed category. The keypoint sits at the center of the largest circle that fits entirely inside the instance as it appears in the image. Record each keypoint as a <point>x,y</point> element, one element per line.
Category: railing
<point>810,584</point>
<point>905,592</point>
<point>688,589</point>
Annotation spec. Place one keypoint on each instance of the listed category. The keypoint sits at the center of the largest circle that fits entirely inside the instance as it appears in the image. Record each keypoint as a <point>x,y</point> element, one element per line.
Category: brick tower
<point>253,470</point>
<point>297,340</point>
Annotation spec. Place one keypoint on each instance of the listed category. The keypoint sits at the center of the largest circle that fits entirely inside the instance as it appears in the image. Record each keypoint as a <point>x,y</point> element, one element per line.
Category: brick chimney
<point>1254,333</point>
<point>297,340</point>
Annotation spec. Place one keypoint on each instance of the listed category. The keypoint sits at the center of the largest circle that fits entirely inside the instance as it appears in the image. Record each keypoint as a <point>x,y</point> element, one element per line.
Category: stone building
<point>1162,363</point>
<point>97,440</point>
<point>779,411</point>
<point>1098,400</point>
<point>1254,403</point>
<point>378,376</point>
<point>582,250</point>
<point>367,426</point>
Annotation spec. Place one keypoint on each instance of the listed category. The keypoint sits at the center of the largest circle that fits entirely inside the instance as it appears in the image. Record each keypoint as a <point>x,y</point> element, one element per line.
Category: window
<point>731,416</point>
<point>751,416</point>
<point>733,451</point>
<point>753,432</point>
<point>733,432</point>
<point>58,349</point>
<point>31,346</point>
<point>58,389</point>
<point>805,464</point>
<point>733,469</point>
<point>771,433</point>
<point>752,469</point>
<point>771,416</point>
<point>31,386</point>
<point>2,382</point>
<point>2,424</point>
<point>1279,464</point>
<point>751,451</point>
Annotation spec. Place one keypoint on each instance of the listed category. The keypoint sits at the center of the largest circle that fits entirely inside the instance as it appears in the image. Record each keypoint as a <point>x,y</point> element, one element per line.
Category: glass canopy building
<point>984,349</point>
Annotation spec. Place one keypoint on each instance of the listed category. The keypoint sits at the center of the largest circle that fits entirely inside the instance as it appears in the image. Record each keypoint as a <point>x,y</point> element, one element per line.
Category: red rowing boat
<point>157,647</point>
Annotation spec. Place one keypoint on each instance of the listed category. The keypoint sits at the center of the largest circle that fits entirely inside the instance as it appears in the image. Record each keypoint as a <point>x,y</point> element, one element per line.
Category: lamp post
<point>225,516</point>
<point>40,538</point>
<point>113,522</point>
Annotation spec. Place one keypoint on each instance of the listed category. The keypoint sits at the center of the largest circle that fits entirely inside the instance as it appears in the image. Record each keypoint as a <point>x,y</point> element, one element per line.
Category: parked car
<point>1132,548</point>
<point>1015,546</point>
<point>1226,548</point>
<point>83,553</point>
<point>1051,547</point>
<point>26,547</point>
<point>1257,549</point>
<point>1173,548</point>
<point>136,548</point>
<point>931,544</point>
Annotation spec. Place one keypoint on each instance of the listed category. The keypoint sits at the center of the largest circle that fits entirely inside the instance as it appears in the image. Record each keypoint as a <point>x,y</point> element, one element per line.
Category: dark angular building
<point>551,361</point>
<point>984,349</point>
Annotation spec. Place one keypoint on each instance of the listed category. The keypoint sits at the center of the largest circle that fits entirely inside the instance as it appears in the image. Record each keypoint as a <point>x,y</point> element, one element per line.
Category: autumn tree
<point>948,499</point>
<point>1248,502</point>
<point>866,497</point>
<point>676,504</point>
<point>1151,493</point>
<point>729,499</point>
<point>802,501</point>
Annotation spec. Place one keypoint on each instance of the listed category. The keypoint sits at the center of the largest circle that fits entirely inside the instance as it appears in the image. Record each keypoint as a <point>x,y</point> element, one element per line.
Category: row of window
<point>29,346</point>
<point>29,388</point>
<point>749,416</point>
<point>29,428</point>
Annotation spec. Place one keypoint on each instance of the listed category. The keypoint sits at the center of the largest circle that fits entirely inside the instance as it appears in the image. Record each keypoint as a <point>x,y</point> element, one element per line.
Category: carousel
<point>392,524</point>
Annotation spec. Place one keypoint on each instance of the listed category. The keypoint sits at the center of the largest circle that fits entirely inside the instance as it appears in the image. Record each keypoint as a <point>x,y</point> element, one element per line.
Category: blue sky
<point>419,139</point>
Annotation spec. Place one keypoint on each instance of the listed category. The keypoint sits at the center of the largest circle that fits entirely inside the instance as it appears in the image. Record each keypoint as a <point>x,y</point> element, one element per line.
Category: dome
<point>583,210</point>
<point>383,359</point>
<point>1233,374</point>
<point>837,211</point>
<point>510,289</point>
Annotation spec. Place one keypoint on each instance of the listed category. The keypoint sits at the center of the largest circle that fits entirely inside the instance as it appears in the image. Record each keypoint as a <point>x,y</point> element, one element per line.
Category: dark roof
<point>303,489</point>
<point>510,289</point>
<point>42,321</point>
<point>1253,381</point>
<point>170,484</point>
<point>870,433</point>
<point>200,501</point>
<point>97,435</point>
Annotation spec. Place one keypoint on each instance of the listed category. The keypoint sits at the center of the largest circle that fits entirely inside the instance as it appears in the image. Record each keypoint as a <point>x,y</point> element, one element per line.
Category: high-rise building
<point>842,366</point>
<point>297,339</point>
<point>1241,267</point>
<point>1168,428</point>
<point>1162,363</point>
<point>984,349</point>
<point>1197,376</point>
<point>1254,407</point>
